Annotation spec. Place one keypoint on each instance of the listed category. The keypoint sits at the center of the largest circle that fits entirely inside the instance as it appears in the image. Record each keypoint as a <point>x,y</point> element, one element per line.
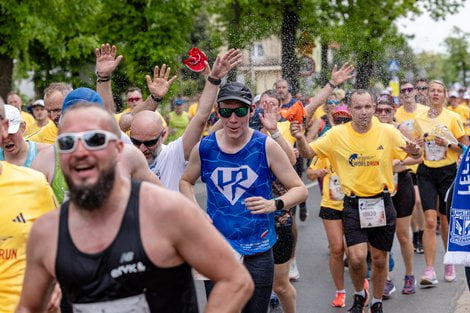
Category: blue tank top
<point>230,178</point>
<point>32,152</point>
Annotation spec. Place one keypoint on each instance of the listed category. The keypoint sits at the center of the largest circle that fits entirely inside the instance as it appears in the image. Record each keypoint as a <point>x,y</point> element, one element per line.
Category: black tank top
<point>122,270</point>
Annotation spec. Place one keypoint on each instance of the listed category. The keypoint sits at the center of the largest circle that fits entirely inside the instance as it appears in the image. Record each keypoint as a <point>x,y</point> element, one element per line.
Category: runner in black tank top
<point>121,270</point>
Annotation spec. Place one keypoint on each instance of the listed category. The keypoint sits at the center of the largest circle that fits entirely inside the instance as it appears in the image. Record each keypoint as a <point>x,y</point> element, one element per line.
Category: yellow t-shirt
<point>464,112</point>
<point>448,125</point>
<point>407,120</point>
<point>332,195</point>
<point>47,134</point>
<point>192,109</point>
<point>363,161</point>
<point>25,195</point>
<point>284,129</point>
<point>30,122</point>
<point>318,113</point>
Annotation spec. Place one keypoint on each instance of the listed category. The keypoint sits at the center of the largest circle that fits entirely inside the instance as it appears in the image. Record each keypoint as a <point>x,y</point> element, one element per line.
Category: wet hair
<point>403,82</point>
<point>110,120</point>
<point>61,87</point>
<point>421,79</point>
<point>439,82</point>
<point>359,92</point>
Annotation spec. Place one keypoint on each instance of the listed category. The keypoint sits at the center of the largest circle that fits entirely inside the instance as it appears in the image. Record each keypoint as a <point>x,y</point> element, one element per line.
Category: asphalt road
<point>315,288</point>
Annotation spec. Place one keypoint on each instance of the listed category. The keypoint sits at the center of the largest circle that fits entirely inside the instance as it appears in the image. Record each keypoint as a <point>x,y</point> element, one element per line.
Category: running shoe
<point>376,308</point>
<point>293,270</point>
<point>419,248</point>
<point>389,288</point>
<point>274,302</point>
<point>449,272</point>
<point>303,211</point>
<point>409,287</point>
<point>359,303</point>
<point>429,278</point>
<point>339,301</point>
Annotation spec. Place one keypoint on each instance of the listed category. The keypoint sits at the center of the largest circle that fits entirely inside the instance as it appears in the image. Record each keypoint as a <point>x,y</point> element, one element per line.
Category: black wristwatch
<point>156,99</point>
<point>279,204</point>
<point>214,81</point>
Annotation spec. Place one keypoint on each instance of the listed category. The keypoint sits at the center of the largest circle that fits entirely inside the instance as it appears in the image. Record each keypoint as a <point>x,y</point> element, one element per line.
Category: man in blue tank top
<point>238,165</point>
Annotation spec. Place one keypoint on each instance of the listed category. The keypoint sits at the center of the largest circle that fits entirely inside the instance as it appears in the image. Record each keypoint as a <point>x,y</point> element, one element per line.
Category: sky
<point>429,34</point>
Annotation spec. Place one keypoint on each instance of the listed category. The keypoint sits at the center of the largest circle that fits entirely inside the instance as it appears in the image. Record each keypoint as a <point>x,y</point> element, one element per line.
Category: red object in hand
<point>295,113</point>
<point>196,59</point>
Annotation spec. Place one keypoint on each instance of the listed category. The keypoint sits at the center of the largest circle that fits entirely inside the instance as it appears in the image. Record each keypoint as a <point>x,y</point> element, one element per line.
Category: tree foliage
<point>459,54</point>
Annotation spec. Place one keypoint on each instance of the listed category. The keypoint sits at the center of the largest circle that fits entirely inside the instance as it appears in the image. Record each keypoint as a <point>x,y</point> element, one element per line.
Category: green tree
<point>459,54</point>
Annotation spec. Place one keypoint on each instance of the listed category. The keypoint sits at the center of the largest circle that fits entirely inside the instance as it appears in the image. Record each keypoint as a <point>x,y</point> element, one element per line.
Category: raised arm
<point>222,65</point>
<point>106,63</point>
<point>269,121</point>
<point>337,78</point>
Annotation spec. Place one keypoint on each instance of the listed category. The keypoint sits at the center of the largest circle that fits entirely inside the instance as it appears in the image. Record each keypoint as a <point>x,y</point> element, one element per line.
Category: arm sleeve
<point>322,146</point>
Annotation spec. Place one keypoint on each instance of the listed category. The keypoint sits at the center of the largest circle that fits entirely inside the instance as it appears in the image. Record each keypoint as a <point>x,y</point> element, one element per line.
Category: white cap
<point>454,94</point>
<point>39,102</point>
<point>14,118</point>
<point>466,96</point>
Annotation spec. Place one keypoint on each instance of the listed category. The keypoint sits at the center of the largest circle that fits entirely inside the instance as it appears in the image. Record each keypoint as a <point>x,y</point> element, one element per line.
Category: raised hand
<point>225,63</point>
<point>106,60</point>
<point>411,148</point>
<point>344,73</point>
<point>160,84</point>
<point>270,117</point>
<point>296,130</point>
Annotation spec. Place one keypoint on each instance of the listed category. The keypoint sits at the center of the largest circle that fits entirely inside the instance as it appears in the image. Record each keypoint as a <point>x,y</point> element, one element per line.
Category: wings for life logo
<point>460,233</point>
<point>360,160</point>
<point>233,182</point>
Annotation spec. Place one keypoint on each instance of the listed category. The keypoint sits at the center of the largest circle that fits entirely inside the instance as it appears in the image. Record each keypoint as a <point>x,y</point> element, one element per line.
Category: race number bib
<point>336,193</point>
<point>372,212</point>
<point>434,152</point>
<point>135,304</point>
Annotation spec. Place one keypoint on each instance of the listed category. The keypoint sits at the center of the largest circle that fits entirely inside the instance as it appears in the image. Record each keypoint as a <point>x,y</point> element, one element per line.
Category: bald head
<point>92,113</point>
<point>146,121</point>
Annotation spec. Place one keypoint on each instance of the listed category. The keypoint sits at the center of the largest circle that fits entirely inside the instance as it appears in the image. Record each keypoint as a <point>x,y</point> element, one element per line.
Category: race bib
<point>372,212</point>
<point>434,152</point>
<point>336,193</point>
<point>135,304</point>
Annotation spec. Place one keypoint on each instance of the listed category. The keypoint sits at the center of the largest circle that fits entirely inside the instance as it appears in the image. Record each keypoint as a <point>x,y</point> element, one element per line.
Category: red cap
<point>196,59</point>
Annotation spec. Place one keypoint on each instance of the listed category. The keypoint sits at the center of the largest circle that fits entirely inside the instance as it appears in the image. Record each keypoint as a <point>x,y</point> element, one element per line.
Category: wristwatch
<point>279,204</point>
<point>214,81</point>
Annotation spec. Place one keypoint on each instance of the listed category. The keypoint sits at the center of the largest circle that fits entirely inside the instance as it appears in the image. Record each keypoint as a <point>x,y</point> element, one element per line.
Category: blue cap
<point>81,94</point>
<point>179,101</point>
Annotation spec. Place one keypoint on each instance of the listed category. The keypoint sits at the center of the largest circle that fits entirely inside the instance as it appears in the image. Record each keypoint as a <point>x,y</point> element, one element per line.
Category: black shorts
<point>284,246</point>
<point>415,180</point>
<point>433,184</point>
<point>404,199</point>
<point>330,214</point>
<point>379,237</point>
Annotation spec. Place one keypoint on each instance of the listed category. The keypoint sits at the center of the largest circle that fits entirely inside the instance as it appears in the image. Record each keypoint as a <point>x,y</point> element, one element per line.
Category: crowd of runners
<point>130,236</point>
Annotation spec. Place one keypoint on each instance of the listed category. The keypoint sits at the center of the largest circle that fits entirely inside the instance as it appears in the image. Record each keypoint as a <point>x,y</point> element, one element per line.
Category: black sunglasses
<point>341,120</point>
<point>407,90</point>
<point>147,143</point>
<point>422,88</point>
<point>240,112</point>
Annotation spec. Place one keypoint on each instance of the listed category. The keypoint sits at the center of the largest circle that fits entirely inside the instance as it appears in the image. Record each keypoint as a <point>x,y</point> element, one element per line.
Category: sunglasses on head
<point>135,99</point>
<point>407,90</point>
<point>341,120</point>
<point>240,112</point>
<point>335,102</point>
<point>422,88</point>
<point>92,140</point>
<point>381,111</point>
<point>147,143</point>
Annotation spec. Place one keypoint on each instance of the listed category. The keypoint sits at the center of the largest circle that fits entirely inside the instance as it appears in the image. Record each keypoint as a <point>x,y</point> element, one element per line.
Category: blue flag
<point>458,246</point>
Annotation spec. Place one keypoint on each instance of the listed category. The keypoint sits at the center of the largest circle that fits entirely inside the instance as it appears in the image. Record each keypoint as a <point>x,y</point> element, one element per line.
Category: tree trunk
<point>6,74</point>
<point>464,72</point>
<point>233,35</point>
<point>289,63</point>
<point>324,64</point>
<point>364,69</point>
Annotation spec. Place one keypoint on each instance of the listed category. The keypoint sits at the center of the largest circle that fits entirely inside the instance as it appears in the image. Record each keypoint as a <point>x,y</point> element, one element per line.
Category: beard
<point>91,198</point>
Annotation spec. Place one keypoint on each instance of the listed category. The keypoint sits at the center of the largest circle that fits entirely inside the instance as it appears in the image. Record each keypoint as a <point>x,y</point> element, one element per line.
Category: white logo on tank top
<point>233,182</point>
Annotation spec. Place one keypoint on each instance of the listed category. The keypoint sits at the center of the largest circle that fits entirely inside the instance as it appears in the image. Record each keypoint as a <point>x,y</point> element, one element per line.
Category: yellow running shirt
<point>25,195</point>
<point>47,134</point>
<point>332,195</point>
<point>464,112</point>
<point>29,121</point>
<point>448,125</point>
<point>363,161</point>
